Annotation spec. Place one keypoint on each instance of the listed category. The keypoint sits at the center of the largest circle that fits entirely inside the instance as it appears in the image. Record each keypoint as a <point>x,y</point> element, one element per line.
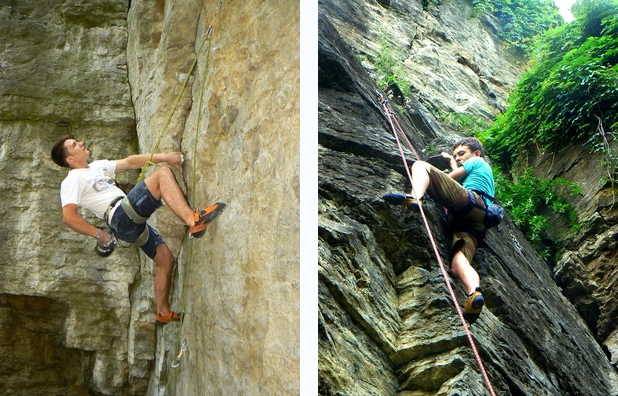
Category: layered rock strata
<point>386,323</point>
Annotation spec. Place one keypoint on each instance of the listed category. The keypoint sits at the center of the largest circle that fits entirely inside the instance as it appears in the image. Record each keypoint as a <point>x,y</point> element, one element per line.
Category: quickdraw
<point>183,348</point>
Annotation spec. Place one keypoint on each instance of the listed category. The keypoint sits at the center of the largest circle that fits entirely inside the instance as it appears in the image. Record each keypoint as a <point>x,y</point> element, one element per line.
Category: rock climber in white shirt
<point>92,186</point>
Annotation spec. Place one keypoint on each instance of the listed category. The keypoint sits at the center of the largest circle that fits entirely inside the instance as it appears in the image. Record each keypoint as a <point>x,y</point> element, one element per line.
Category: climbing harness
<point>393,122</point>
<point>111,206</point>
<point>131,213</point>
<point>142,239</point>
<point>493,215</point>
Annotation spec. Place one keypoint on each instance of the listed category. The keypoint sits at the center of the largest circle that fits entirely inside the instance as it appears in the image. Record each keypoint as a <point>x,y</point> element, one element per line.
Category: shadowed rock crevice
<point>35,360</point>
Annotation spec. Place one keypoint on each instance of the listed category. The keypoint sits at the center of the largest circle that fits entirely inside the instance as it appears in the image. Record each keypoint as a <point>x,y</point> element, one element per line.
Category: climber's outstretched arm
<point>137,161</point>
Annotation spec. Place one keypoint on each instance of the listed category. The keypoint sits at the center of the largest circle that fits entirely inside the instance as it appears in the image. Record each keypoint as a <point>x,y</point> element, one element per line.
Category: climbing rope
<point>393,122</point>
<point>396,127</point>
<point>183,300</point>
<point>178,97</point>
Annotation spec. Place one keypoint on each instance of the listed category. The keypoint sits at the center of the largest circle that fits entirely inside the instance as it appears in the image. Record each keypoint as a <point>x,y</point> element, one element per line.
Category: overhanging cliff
<point>109,72</point>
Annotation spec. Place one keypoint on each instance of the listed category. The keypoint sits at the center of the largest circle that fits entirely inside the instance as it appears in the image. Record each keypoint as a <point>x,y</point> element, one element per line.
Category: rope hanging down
<point>178,97</point>
<point>207,38</point>
<point>396,128</point>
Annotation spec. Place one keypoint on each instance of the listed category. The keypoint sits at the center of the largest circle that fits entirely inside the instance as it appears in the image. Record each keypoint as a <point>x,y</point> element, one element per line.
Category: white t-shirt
<point>92,188</point>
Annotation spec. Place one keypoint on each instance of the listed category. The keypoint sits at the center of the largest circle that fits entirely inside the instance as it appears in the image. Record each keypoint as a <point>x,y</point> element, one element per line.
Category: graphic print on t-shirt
<point>102,181</point>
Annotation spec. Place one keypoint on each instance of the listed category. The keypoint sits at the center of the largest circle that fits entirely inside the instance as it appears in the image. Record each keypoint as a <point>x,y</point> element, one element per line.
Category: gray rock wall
<point>587,271</point>
<point>386,323</point>
<point>452,60</point>
<point>74,323</point>
<point>240,115</point>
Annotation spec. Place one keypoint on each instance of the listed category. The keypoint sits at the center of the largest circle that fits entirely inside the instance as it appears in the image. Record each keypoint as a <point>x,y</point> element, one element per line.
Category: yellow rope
<point>193,187</point>
<point>171,113</point>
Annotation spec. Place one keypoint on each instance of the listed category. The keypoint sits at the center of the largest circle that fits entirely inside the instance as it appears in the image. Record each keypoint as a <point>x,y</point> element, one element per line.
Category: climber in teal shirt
<point>470,177</point>
<point>478,177</point>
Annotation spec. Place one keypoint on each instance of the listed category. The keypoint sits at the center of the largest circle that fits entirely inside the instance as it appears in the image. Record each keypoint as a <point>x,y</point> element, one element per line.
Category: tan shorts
<point>453,196</point>
<point>464,242</point>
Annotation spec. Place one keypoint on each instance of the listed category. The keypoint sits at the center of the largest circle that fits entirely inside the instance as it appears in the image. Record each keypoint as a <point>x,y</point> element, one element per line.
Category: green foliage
<point>569,93</point>
<point>466,124</point>
<point>591,15</point>
<point>521,20</point>
<point>574,81</point>
<point>529,201</point>
<point>430,150</point>
<point>389,65</point>
<point>483,6</point>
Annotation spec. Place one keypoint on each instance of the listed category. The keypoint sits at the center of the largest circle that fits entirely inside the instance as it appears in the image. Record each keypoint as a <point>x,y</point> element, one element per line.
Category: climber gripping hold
<point>464,192</point>
<point>104,249</point>
<point>91,186</point>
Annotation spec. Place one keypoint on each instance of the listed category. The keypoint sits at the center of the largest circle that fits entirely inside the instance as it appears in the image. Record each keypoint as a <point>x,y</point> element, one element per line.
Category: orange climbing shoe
<point>474,306</point>
<point>204,217</point>
<point>169,318</point>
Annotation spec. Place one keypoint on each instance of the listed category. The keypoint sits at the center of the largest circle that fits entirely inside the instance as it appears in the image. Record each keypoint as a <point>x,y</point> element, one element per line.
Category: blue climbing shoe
<point>402,199</point>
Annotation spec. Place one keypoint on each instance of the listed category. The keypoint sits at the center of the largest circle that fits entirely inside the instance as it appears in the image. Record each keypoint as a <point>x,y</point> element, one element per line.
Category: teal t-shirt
<point>479,177</point>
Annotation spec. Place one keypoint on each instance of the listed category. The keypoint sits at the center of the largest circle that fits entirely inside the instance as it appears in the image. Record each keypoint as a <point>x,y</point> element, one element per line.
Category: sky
<point>564,6</point>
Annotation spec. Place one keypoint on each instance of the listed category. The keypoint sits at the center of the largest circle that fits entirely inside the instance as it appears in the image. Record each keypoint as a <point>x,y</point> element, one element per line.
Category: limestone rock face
<point>238,125</point>
<point>387,324</point>
<point>110,73</point>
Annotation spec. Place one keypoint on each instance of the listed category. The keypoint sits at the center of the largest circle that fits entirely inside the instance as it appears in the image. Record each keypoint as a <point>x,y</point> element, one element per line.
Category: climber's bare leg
<point>462,270</point>
<point>162,185</point>
<point>163,278</point>
<point>420,178</point>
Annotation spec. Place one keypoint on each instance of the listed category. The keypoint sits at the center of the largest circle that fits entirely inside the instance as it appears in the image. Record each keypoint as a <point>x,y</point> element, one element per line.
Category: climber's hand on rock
<point>105,237</point>
<point>175,159</point>
<point>449,157</point>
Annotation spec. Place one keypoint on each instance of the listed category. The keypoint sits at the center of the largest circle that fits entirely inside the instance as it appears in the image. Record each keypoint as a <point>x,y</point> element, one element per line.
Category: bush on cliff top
<point>521,21</point>
<point>571,89</point>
